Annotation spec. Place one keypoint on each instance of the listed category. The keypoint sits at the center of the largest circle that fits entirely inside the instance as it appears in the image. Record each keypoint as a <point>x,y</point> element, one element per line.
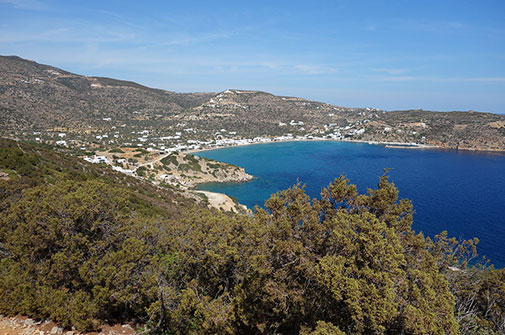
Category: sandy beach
<point>387,144</point>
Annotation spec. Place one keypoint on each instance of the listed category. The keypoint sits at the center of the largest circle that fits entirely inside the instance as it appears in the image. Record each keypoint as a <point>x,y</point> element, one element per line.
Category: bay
<point>459,191</point>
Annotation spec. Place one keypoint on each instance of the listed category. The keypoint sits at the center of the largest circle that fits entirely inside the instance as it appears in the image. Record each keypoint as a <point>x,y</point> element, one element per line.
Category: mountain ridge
<point>39,102</point>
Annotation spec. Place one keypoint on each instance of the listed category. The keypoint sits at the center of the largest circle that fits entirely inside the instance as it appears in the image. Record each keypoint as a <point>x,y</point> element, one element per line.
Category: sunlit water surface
<point>458,191</point>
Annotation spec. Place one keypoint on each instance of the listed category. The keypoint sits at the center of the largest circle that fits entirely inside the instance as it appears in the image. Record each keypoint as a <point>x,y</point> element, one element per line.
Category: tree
<point>82,245</point>
<point>349,260</point>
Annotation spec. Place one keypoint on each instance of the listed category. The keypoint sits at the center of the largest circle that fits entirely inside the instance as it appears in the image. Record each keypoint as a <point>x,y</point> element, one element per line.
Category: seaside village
<point>136,151</point>
<point>145,148</point>
<point>150,151</point>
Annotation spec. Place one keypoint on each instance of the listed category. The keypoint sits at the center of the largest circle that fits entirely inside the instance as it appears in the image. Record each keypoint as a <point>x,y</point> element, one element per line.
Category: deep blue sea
<point>458,191</point>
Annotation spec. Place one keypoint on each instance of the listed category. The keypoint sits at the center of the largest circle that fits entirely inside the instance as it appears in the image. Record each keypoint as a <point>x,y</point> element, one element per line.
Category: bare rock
<point>6,323</point>
<point>30,322</point>
<point>57,330</point>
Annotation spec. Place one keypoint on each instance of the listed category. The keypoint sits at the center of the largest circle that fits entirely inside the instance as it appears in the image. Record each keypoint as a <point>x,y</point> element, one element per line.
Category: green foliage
<point>190,163</point>
<point>190,167</point>
<point>204,197</point>
<point>193,163</point>
<point>13,158</point>
<point>116,151</point>
<point>323,328</point>
<point>141,171</point>
<point>170,159</point>
<point>480,300</point>
<point>213,166</point>
<point>83,245</point>
<point>234,199</point>
<point>70,243</point>
<point>75,246</point>
<point>344,260</point>
<point>479,290</point>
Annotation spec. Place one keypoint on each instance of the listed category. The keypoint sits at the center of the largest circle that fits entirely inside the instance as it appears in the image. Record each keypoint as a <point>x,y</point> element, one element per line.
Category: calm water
<point>461,192</point>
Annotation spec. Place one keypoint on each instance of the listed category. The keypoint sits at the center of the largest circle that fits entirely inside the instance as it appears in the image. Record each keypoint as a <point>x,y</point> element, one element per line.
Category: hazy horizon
<point>391,55</point>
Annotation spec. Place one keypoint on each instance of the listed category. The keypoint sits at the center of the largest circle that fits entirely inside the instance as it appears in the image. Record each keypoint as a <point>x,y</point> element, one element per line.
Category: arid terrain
<point>49,105</point>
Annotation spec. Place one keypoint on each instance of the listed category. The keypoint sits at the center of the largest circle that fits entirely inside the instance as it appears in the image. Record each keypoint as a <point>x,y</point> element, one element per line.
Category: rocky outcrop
<point>188,171</point>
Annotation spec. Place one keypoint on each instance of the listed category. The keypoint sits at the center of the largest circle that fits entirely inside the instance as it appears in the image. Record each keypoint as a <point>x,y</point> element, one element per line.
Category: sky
<point>435,55</point>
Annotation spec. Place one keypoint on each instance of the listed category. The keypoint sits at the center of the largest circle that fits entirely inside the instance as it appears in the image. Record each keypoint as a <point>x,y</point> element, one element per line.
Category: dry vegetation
<point>37,101</point>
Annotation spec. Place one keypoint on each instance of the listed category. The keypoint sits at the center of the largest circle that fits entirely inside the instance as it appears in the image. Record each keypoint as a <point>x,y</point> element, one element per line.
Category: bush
<point>141,171</point>
<point>80,247</point>
<point>170,159</point>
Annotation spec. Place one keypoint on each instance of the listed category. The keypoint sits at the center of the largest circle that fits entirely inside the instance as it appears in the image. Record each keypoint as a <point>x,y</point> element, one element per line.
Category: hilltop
<point>38,97</point>
<point>50,105</point>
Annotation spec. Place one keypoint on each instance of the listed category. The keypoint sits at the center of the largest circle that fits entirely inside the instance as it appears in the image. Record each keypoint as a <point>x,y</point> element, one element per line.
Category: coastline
<point>389,145</point>
<point>392,144</point>
<point>222,196</point>
<point>221,200</point>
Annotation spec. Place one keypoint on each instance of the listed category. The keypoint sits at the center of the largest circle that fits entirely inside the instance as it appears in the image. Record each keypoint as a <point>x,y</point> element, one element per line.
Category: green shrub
<point>82,245</point>
<point>170,159</point>
<point>141,171</point>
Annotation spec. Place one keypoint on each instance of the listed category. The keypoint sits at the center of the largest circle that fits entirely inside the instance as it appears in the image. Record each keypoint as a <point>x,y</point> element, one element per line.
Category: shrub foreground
<point>82,245</point>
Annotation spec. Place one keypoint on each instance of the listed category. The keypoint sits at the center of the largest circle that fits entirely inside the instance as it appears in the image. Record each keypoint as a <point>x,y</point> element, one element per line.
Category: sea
<point>462,192</point>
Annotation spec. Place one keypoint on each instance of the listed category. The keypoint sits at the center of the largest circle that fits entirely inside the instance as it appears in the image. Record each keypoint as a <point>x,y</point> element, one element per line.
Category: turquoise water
<point>458,191</point>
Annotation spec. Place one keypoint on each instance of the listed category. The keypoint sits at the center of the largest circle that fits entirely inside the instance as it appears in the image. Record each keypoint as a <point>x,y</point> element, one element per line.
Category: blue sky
<point>439,55</point>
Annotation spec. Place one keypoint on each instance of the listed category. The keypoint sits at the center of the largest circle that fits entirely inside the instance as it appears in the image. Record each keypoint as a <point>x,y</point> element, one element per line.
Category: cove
<point>459,191</point>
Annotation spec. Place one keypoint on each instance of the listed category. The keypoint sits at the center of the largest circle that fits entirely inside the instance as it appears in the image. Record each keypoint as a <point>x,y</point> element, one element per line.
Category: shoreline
<point>389,145</point>
<point>218,194</point>
<point>386,144</point>
<point>392,144</point>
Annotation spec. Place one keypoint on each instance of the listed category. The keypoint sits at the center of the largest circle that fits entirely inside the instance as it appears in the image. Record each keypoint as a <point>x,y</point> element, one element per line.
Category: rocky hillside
<point>188,170</point>
<point>46,104</point>
<point>175,168</point>
<point>177,171</point>
<point>455,130</point>
<point>35,96</point>
<point>253,113</point>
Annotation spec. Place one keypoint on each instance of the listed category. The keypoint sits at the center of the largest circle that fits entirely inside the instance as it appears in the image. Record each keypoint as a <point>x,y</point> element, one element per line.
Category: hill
<point>453,130</point>
<point>40,97</point>
<point>50,105</point>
